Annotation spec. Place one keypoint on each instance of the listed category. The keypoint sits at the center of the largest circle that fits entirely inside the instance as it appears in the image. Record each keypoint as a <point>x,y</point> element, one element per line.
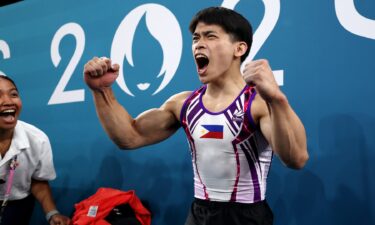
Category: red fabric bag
<point>94,209</point>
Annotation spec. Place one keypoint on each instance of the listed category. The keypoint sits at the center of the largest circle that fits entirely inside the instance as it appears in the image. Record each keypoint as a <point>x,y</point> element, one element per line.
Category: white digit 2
<point>60,95</point>
<point>271,15</point>
<point>4,48</point>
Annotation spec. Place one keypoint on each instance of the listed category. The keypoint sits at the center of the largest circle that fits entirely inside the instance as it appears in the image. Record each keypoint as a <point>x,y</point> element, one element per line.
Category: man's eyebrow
<point>208,32</point>
<point>204,33</point>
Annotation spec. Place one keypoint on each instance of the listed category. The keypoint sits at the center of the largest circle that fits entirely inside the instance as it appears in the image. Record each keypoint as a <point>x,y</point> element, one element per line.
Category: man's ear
<point>241,48</point>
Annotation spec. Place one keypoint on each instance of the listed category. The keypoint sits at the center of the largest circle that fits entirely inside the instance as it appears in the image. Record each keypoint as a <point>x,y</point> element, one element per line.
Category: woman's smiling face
<point>10,105</point>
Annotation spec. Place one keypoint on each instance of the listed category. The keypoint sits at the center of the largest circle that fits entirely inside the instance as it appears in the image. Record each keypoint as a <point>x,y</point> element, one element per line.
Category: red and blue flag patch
<point>213,131</point>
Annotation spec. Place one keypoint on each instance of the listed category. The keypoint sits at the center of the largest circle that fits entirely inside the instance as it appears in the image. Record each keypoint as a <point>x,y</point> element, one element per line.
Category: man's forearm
<point>114,118</point>
<point>288,133</point>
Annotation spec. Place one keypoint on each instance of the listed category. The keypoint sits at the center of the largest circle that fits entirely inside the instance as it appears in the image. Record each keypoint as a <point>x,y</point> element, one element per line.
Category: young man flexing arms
<point>234,122</point>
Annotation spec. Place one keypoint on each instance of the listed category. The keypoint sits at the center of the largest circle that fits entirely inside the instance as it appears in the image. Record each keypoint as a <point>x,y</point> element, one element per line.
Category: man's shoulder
<point>259,109</point>
<point>180,97</point>
<point>175,102</point>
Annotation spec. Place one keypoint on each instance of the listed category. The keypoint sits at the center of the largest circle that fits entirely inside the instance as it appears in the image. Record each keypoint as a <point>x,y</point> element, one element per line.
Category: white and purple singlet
<point>230,156</point>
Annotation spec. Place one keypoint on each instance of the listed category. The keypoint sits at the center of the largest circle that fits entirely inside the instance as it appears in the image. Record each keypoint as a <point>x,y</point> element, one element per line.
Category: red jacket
<point>106,199</point>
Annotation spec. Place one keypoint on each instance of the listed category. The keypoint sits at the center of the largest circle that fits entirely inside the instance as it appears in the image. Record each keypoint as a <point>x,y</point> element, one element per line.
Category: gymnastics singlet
<point>230,156</point>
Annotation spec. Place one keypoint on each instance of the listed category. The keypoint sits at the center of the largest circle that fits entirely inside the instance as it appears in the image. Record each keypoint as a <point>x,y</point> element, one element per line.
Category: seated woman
<point>26,164</point>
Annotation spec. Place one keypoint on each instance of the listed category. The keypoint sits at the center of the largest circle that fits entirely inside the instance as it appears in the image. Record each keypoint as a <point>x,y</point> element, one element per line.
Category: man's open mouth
<point>202,62</point>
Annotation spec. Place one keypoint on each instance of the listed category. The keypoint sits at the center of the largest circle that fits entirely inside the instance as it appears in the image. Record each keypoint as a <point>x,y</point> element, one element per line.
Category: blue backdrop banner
<point>323,57</point>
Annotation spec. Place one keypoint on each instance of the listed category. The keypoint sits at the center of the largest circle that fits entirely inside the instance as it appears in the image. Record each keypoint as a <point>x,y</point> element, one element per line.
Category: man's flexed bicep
<point>283,130</point>
<point>149,127</point>
<point>156,125</point>
<point>279,123</point>
<point>153,126</point>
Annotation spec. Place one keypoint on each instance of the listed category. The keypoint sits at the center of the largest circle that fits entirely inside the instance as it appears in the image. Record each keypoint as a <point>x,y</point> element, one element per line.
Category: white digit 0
<point>271,15</point>
<point>122,45</point>
<point>352,21</point>
<point>60,95</point>
<point>4,48</point>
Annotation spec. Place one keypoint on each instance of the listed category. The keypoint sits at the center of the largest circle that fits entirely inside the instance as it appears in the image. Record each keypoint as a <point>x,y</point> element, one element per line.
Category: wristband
<point>50,214</point>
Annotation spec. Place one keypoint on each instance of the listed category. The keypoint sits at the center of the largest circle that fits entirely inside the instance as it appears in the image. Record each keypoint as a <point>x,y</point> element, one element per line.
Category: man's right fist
<point>99,73</point>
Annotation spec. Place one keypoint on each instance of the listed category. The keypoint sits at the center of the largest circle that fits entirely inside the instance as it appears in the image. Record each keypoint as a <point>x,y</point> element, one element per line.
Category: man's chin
<point>203,80</point>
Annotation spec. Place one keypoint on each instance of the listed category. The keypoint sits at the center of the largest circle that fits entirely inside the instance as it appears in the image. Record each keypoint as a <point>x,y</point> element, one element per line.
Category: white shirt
<point>34,157</point>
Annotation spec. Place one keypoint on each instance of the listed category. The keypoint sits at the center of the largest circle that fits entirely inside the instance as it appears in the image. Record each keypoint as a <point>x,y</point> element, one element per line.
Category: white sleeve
<point>45,169</point>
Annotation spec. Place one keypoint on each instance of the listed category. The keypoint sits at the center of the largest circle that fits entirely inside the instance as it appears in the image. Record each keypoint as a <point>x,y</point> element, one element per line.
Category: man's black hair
<point>232,22</point>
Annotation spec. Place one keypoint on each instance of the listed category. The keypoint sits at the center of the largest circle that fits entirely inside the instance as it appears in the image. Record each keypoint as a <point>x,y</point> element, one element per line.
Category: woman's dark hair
<point>8,79</point>
<point>232,22</point>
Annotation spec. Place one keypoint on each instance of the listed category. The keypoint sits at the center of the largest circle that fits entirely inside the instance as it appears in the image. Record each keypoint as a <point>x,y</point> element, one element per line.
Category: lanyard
<point>12,167</point>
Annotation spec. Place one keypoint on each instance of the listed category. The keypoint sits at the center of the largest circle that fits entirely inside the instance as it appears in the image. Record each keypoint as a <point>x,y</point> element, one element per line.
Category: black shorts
<point>18,212</point>
<point>204,212</point>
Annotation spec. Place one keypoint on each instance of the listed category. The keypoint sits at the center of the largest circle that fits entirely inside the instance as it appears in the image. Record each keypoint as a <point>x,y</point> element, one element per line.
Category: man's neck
<point>226,85</point>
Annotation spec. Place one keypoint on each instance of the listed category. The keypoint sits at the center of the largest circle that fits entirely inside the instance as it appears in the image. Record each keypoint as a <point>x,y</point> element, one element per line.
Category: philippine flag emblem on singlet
<point>212,131</point>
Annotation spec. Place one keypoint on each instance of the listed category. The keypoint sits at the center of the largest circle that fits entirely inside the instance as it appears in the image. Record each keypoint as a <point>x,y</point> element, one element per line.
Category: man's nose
<point>200,44</point>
